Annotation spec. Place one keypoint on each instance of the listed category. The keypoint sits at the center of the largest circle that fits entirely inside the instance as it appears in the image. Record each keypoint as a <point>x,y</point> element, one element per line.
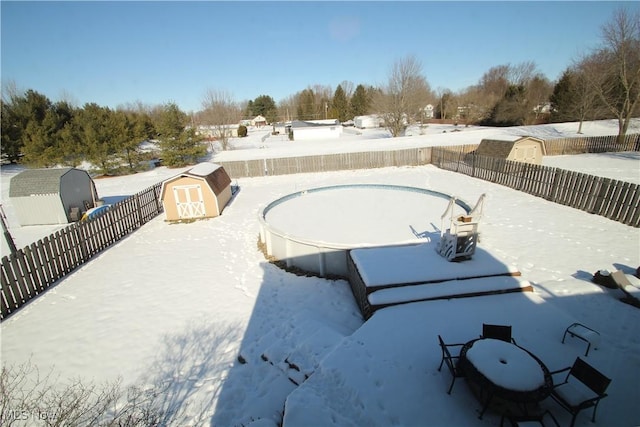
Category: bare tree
<point>613,71</point>
<point>572,99</point>
<point>220,111</point>
<point>473,108</point>
<point>405,94</point>
<point>349,87</point>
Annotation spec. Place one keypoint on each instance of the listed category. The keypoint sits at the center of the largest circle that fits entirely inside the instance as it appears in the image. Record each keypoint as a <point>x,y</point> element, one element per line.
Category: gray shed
<point>51,196</point>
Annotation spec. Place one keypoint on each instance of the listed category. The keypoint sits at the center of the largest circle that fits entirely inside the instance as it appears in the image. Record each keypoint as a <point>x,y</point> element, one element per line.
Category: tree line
<point>603,83</point>
<point>42,133</point>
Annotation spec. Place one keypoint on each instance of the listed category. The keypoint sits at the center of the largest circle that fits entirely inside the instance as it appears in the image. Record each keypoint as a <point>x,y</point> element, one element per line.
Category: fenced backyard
<point>32,270</point>
<point>610,198</point>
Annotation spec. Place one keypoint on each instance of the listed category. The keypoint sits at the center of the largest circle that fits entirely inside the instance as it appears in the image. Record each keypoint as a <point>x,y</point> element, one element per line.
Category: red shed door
<point>189,201</point>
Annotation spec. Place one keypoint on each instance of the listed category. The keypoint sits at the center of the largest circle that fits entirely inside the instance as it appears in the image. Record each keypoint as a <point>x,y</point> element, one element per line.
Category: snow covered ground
<point>177,304</point>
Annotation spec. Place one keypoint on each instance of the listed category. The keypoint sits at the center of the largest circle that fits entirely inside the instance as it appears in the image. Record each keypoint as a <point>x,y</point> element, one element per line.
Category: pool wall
<point>325,259</point>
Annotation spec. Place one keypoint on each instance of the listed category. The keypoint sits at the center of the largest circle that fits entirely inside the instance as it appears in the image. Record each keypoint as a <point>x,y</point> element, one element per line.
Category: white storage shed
<point>51,196</point>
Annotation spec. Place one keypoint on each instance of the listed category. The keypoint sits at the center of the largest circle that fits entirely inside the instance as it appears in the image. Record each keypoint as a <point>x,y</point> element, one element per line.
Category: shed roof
<point>314,123</point>
<point>36,181</point>
<point>213,174</point>
<point>203,169</point>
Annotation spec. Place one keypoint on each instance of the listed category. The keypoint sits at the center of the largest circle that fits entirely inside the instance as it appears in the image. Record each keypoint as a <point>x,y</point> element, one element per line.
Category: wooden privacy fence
<point>408,157</point>
<point>328,162</point>
<point>32,270</point>
<point>591,144</point>
<point>610,198</point>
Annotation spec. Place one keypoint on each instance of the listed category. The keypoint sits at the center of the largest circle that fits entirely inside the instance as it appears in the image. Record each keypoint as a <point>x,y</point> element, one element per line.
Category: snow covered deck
<point>386,373</point>
<point>392,275</point>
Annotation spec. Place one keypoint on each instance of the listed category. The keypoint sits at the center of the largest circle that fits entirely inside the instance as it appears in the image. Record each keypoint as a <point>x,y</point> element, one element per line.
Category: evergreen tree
<point>18,113</point>
<point>306,108</point>
<point>510,110</point>
<point>340,105</point>
<point>11,142</point>
<point>265,106</point>
<point>98,130</point>
<point>360,102</point>
<point>180,145</point>
<point>249,112</point>
<point>563,98</point>
<point>42,140</point>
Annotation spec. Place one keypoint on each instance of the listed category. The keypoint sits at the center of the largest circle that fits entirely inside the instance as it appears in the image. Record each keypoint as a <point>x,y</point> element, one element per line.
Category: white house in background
<point>370,121</point>
<point>427,112</point>
<point>213,132</point>
<point>316,129</point>
<point>258,121</point>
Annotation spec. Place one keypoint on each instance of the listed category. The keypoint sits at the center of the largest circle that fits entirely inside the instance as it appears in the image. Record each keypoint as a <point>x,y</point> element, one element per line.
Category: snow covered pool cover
<point>364,214</point>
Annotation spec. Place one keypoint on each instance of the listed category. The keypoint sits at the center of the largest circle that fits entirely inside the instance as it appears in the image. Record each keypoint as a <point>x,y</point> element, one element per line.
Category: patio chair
<point>452,361</point>
<point>583,387</point>
<point>498,332</point>
<point>543,419</point>
<point>584,333</point>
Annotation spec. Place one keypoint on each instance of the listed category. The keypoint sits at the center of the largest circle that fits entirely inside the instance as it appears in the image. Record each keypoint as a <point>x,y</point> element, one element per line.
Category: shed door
<point>526,153</point>
<point>189,201</point>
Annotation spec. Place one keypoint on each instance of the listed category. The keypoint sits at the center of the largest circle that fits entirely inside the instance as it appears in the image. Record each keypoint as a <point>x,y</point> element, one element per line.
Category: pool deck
<point>391,275</point>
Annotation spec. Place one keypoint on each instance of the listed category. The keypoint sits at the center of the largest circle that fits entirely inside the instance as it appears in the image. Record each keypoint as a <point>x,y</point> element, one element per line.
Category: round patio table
<point>505,370</point>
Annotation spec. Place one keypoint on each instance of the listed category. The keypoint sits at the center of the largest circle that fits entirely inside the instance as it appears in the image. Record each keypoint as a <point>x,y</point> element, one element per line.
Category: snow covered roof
<point>203,169</point>
<point>313,123</point>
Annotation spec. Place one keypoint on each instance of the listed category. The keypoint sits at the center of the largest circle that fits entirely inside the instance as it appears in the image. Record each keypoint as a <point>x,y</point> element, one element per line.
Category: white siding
<point>39,209</point>
<point>315,133</point>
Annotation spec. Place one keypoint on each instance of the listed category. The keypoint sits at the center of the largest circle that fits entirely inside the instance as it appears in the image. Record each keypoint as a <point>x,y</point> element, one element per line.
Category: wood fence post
<point>138,210</point>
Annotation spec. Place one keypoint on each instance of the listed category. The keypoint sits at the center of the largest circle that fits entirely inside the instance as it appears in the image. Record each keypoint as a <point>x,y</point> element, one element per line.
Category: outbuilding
<point>200,192</point>
<point>527,149</point>
<point>51,196</point>
<point>316,129</point>
<point>365,122</point>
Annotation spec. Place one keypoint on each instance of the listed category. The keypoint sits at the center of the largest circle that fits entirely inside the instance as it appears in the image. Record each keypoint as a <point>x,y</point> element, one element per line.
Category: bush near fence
<point>32,270</point>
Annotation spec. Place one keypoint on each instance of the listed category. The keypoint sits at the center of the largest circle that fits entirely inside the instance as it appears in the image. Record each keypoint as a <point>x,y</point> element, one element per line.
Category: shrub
<point>242,131</point>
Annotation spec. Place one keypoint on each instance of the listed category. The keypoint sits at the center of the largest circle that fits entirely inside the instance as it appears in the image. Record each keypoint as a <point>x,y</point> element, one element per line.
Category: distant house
<point>527,149</point>
<point>427,112</point>
<point>51,196</point>
<point>212,132</point>
<point>201,192</point>
<point>364,122</point>
<point>259,121</point>
<point>316,129</point>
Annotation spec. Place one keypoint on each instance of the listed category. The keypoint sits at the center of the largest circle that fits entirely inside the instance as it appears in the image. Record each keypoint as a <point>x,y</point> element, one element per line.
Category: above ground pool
<point>312,230</point>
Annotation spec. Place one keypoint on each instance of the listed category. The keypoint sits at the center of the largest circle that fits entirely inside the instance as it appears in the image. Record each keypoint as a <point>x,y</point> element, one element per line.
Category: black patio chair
<point>583,387</point>
<point>451,361</point>
<point>498,332</point>
<point>543,419</point>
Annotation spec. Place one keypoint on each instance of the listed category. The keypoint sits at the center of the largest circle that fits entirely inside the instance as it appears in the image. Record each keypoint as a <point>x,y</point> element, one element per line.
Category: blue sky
<point>114,53</point>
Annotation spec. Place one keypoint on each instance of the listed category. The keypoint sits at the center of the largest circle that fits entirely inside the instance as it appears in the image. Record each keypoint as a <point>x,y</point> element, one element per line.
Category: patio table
<point>505,370</point>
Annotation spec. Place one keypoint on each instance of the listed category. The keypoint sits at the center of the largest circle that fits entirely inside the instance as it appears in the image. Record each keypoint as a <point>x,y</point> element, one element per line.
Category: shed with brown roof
<point>527,149</point>
<point>200,192</point>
